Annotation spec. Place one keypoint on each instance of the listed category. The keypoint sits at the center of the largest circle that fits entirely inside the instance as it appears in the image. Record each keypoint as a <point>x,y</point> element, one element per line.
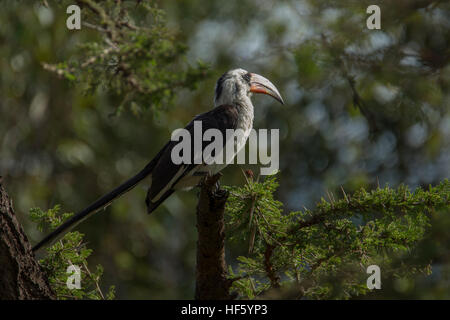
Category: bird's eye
<point>247,77</point>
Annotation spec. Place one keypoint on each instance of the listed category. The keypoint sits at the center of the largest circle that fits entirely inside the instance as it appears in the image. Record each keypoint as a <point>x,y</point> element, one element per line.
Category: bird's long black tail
<point>94,207</point>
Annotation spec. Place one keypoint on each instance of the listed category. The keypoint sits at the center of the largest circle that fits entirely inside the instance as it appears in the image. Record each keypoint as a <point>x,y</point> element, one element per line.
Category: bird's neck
<point>243,102</point>
<point>245,108</point>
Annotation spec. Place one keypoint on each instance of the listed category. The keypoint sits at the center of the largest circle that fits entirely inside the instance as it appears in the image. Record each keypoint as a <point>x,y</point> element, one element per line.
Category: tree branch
<point>20,275</point>
<point>211,273</point>
<point>270,272</point>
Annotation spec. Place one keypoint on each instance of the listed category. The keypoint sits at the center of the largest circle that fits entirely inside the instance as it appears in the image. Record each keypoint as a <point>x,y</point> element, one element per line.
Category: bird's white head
<point>237,86</point>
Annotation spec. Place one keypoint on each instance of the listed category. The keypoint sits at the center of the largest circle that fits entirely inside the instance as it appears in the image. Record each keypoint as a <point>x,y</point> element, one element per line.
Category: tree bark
<point>20,275</point>
<point>211,273</point>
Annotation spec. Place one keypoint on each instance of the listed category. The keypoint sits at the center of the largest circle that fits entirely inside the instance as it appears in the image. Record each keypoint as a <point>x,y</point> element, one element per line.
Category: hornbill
<point>233,109</point>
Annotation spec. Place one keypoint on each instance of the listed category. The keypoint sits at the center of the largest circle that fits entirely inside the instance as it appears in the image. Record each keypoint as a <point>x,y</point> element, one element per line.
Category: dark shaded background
<point>59,145</point>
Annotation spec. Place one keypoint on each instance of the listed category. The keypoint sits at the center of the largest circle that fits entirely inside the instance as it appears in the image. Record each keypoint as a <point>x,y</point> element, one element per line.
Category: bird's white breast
<point>244,123</point>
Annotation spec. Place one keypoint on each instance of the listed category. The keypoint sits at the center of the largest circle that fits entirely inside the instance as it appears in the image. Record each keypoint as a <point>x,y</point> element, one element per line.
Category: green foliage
<point>321,57</point>
<point>323,253</point>
<point>134,57</point>
<point>389,74</point>
<point>69,251</point>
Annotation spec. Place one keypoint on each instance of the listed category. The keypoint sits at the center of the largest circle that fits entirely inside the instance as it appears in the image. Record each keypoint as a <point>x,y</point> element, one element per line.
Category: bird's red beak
<point>259,84</point>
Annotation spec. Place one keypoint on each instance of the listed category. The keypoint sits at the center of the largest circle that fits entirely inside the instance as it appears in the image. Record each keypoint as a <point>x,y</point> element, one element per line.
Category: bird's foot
<point>218,185</point>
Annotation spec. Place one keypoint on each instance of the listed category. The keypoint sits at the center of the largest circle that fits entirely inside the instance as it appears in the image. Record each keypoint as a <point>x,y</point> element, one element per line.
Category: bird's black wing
<point>161,169</point>
<point>166,174</point>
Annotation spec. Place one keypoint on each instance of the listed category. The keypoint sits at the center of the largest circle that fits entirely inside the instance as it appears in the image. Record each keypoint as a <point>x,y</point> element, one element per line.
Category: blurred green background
<point>60,145</point>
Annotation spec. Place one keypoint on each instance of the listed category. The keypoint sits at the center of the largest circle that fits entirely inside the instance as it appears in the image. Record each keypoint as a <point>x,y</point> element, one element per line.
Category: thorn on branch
<point>345,195</point>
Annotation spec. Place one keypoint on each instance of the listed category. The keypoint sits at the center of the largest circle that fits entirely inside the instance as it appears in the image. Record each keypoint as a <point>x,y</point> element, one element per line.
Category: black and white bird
<point>233,109</point>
